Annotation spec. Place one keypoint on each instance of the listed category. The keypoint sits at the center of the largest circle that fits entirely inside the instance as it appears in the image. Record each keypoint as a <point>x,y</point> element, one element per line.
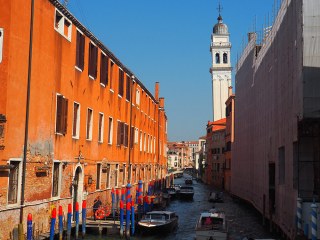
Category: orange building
<point>74,120</point>
<point>229,139</point>
<point>215,145</point>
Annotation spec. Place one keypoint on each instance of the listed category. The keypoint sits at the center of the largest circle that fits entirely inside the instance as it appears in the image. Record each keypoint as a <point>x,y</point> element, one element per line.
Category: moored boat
<point>186,192</point>
<point>188,181</point>
<point>211,225</point>
<point>171,191</point>
<point>158,222</point>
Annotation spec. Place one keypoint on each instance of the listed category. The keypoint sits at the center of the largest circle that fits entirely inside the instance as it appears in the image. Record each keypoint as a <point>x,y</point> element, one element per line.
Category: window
<point>61,114</point>
<point>93,57</point>
<point>116,175</point>
<point>282,169</point>
<point>76,120</point>
<point>1,43</point>
<point>119,133</point>
<point>138,97</point>
<point>124,175</point>
<point>132,136</point>
<point>126,135</point>
<point>111,73</point>
<point>110,133</point>
<point>62,25</point>
<point>101,128</point>
<point>141,140</point>
<point>104,70</point>
<point>56,179</point>
<point>120,83</point>
<point>145,142</point>
<point>136,136</point>
<point>225,58</point>
<point>128,88</point>
<point>98,176</point>
<point>89,124</point>
<point>122,134</point>
<point>14,182</point>
<point>80,51</point>
<point>217,58</point>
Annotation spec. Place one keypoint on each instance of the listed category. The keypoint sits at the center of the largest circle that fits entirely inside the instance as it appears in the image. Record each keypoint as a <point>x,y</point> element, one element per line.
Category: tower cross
<point>219,8</point>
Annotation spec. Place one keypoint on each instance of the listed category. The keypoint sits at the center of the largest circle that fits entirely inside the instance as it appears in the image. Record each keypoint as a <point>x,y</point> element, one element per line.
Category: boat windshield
<point>211,221</point>
<point>155,217</point>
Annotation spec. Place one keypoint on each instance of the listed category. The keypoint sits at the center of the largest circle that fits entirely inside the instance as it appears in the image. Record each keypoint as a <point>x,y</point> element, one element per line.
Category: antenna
<point>65,3</point>
<point>219,8</point>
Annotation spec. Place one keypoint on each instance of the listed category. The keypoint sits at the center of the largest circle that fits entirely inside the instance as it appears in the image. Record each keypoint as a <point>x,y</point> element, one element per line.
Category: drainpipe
<point>25,146</point>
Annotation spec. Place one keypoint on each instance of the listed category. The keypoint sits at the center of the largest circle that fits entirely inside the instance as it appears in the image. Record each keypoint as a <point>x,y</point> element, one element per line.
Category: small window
<point>14,183</point>
<point>116,175</point>
<point>145,142</point>
<point>93,58</point>
<point>62,25</point>
<point>110,131</point>
<point>138,97</point>
<point>1,43</point>
<point>124,175</point>
<point>132,133</point>
<point>217,58</point>
<point>56,179</point>
<point>89,124</point>
<point>141,140</point>
<point>104,70</point>
<point>76,120</point>
<point>61,114</point>
<point>98,176</point>
<point>128,88</point>
<point>136,136</point>
<point>120,83</point>
<point>101,127</point>
<point>225,58</point>
<point>126,135</point>
<point>80,51</point>
<point>108,175</point>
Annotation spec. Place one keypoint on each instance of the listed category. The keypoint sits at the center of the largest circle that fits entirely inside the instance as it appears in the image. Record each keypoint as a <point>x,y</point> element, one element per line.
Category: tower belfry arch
<point>220,69</point>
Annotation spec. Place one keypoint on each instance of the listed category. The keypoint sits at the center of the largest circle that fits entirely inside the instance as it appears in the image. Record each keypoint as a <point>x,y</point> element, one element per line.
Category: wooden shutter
<point>59,114</point>
<point>55,180</point>
<point>128,89</point>
<point>78,49</point>
<point>120,82</point>
<point>104,69</point>
<point>125,135</point>
<point>64,116</point>
<point>13,183</point>
<point>132,135</point>
<point>119,134</point>
<point>82,43</point>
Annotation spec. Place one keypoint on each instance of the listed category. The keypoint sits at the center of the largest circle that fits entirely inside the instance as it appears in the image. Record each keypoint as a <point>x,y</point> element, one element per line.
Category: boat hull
<point>186,196</point>
<point>211,234</point>
<point>153,228</point>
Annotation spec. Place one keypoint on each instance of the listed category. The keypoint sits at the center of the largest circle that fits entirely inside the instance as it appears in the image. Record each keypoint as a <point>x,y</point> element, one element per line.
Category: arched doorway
<point>77,189</point>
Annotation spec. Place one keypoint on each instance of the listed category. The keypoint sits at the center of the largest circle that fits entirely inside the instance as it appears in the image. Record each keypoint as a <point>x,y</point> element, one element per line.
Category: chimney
<point>161,102</point>
<point>229,91</point>
<point>156,95</point>
<point>251,35</point>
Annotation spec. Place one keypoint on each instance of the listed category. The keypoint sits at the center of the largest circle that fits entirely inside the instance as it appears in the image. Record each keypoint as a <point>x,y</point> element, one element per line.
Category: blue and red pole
<point>60,223</point>
<point>121,218</point>
<point>29,227</point>
<point>128,198</point>
<point>69,221</point>
<point>132,218</point>
<point>53,222</point>
<point>113,203</point>
<point>84,217</point>
<point>77,220</point>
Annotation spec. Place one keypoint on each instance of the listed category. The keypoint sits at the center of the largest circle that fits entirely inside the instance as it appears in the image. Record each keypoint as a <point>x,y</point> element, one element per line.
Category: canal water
<point>242,220</point>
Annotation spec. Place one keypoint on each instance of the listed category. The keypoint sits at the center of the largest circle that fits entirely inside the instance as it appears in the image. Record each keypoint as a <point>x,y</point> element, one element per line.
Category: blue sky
<point>168,41</point>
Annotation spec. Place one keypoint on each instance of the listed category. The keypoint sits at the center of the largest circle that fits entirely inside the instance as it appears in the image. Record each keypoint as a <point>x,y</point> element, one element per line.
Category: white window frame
<point>59,27</point>
<point>89,138</point>
<point>110,130</point>
<point>1,43</point>
<point>101,128</point>
<point>136,136</point>
<point>19,182</point>
<point>98,183</point>
<point>77,135</point>
<point>59,178</point>
<point>138,97</point>
<point>144,142</point>
<point>141,142</point>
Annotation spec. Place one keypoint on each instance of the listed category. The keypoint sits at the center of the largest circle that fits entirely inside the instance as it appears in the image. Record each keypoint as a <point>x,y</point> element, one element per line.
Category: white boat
<point>211,225</point>
<point>186,192</point>
<point>158,222</point>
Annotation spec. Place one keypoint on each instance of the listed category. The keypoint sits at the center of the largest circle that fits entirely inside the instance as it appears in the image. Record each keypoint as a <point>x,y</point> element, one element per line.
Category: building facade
<point>74,120</point>
<point>179,153</point>
<point>275,156</point>
<point>229,140</point>
<point>220,70</point>
<point>215,160</point>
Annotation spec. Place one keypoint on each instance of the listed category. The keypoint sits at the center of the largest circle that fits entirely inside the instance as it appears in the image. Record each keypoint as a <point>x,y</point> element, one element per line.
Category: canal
<point>242,220</point>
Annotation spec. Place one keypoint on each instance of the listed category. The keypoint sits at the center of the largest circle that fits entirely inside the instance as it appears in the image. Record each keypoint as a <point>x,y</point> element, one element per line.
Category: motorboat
<point>177,187</point>
<point>178,174</point>
<point>171,191</point>
<point>215,197</point>
<point>158,222</point>
<point>212,225</point>
<point>188,181</point>
<point>186,192</point>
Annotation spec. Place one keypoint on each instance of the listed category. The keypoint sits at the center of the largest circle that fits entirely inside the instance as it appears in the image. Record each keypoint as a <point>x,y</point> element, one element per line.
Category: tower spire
<point>219,8</point>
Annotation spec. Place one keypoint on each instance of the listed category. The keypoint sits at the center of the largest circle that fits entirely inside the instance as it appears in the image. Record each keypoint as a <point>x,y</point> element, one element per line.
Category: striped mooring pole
<point>113,204</point>
<point>132,218</point>
<point>60,223</point>
<point>299,214</point>
<point>29,227</point>
<point>121,218</point>
<point>53,222</point>
<point>77,220</point>
<point>69,221</point>
<point>128,212</point>
<point>314,229</point>
<point>84,217</point>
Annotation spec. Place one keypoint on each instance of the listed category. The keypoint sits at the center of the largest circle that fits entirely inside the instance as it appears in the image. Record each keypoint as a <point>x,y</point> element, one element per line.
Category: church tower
<point>221,67</point>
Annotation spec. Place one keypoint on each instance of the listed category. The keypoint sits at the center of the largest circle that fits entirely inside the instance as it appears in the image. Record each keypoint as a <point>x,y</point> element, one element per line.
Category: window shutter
<point>82,51</point>
<point>59,114</point>
<point>126,136</point>
<point>132,133</point>
<point>128,90</point>
<point>78,49</point>
<point>95,61</point>
<point>119,134</point>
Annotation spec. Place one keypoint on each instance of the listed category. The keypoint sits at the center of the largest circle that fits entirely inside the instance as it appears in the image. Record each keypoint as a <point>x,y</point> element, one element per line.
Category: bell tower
<point>220,70</point>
